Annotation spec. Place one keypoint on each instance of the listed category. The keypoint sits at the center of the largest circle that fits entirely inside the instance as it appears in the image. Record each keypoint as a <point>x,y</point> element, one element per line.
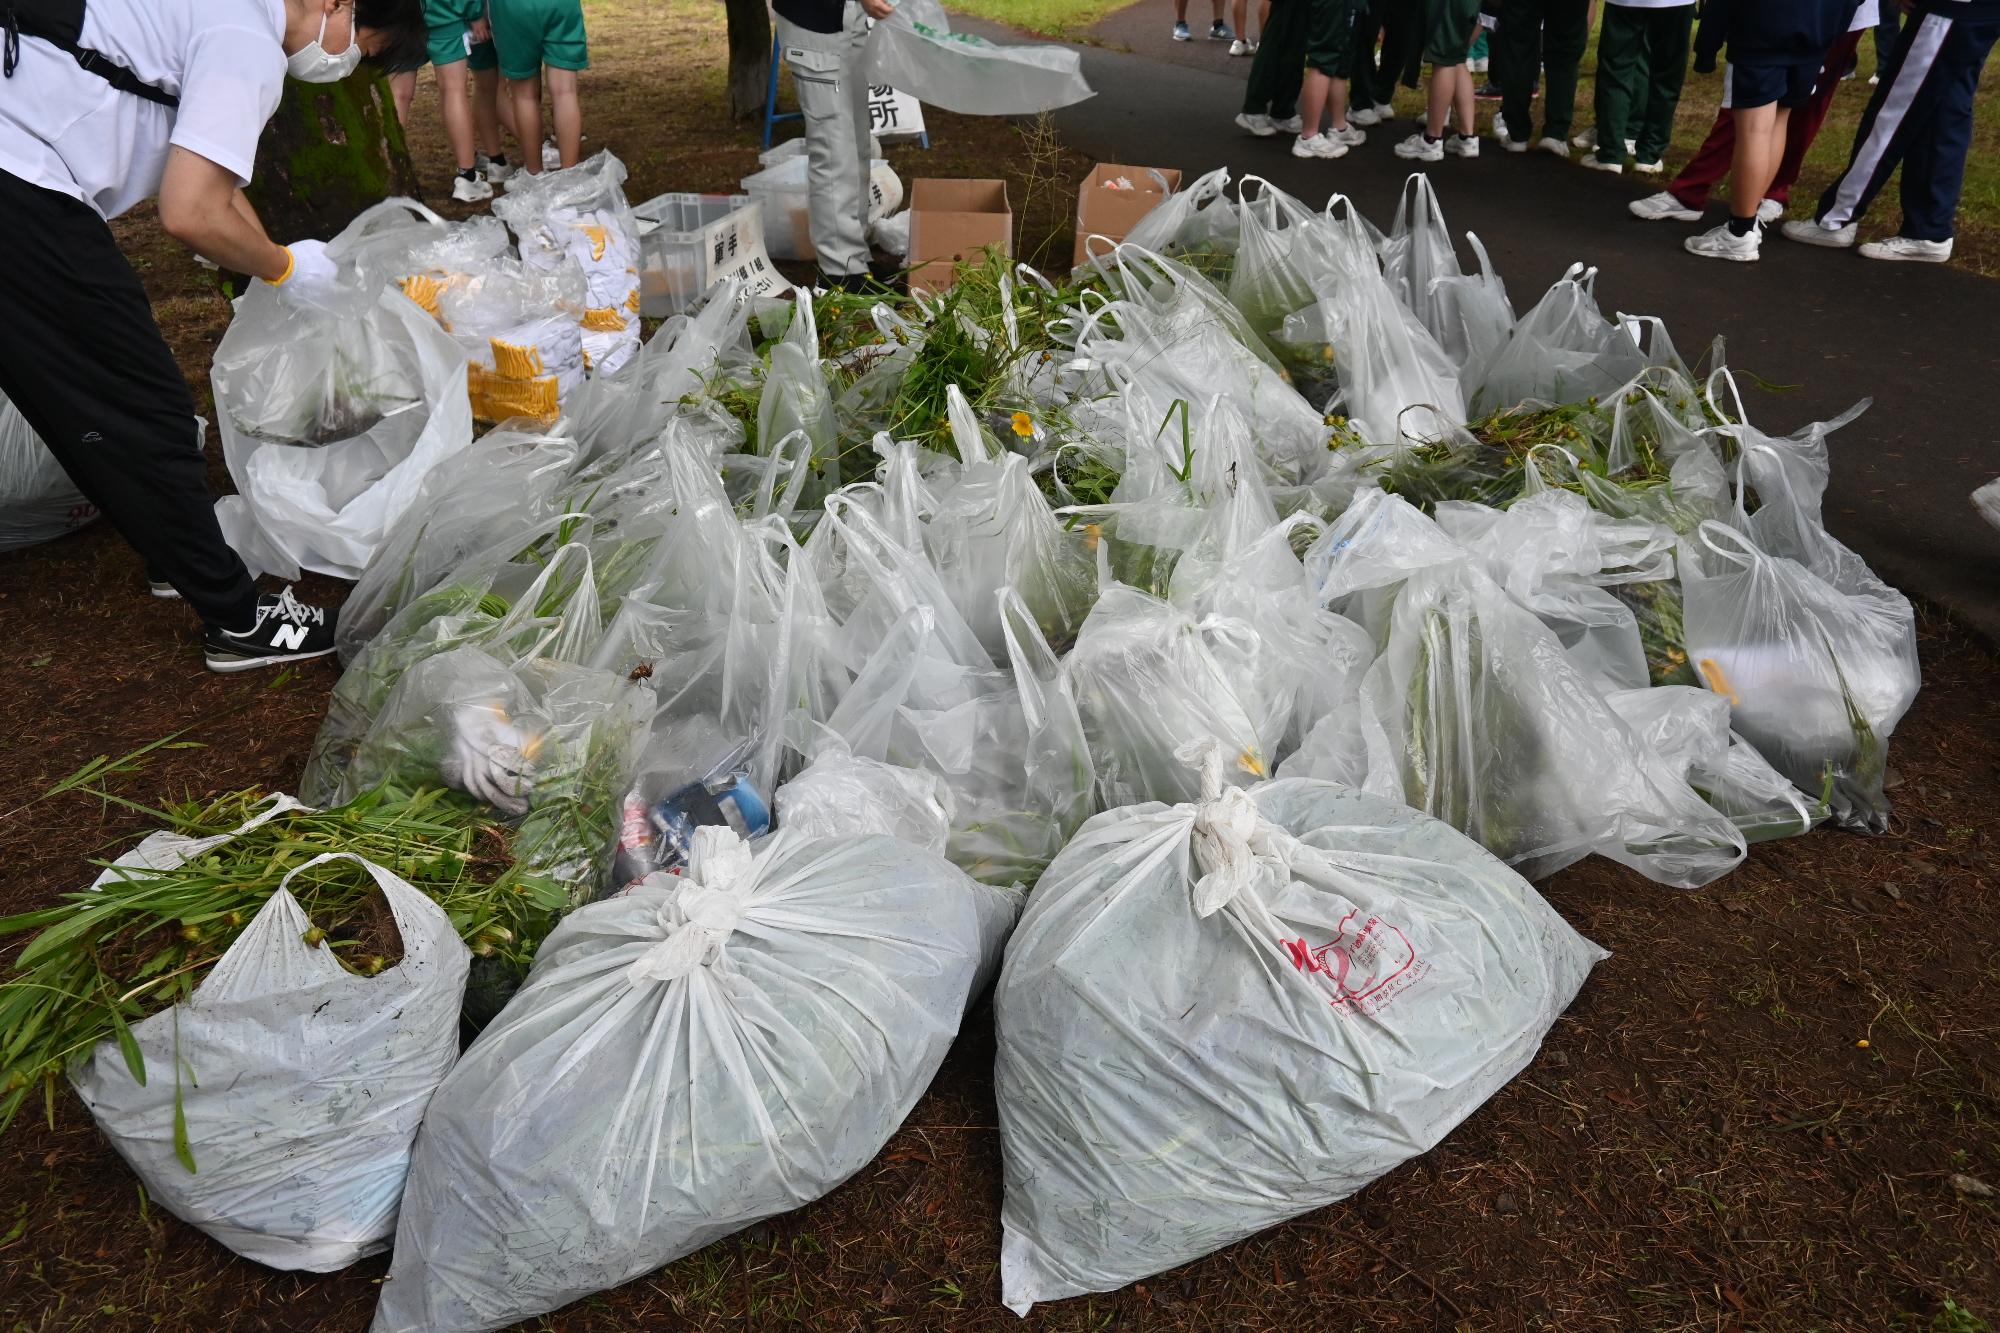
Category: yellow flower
<point>1024,425</point>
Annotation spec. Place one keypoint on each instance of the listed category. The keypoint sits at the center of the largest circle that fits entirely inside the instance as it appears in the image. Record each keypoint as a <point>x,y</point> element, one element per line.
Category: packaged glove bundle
<point>1214,1017</point>
<point>38,501</point>
<point>299,1083</point>
<point>686,1060</point>
<point>580,216</point>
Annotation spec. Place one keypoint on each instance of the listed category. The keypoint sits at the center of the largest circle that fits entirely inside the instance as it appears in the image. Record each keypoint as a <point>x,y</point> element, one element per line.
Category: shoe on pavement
<point>1908,249</point>
<point>471,189</point>
<point>1769,213</point>
<point>1239,47</point>
<point>286,630</point>
<point>1592,161</point>
<point>1289,125</point>
<point>1663,207</point>
<point>160,588</point>
<point>1507,141</point>
<point>495,169</point>
<point>1218,31</point>
<point>1653,168</point>
<point>1254,46</point>
<point>1181,33</point>
<point>1488,92</point>
<point>1364,117</point>
<point>1252,123</point>
<point>1318,145</point>
<point>1809,232</point>
<point>1417,148</point>
<point>1587,139</point>
<point>1722,243</point>
<point>1384,112</point>
<point>1548,143</point>
<point>1350,137</point>
<point>1462,145</point>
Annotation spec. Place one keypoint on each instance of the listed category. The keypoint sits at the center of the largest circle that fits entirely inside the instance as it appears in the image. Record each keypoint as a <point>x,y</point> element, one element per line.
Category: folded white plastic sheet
<point>301,1083</point>
<point>1217,1016</point>
<point>686,1060</point>
<point>915,50</point>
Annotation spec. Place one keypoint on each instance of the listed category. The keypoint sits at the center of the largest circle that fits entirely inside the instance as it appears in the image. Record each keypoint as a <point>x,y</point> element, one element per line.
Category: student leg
<point>1804,125</point>
<point>526,95</point>
<point>454,83</point>
<point>1566,34</point>
<point>1760,133</point>
<point>486,110</point>
<point>1900,102</point>
<point>567,111</point>
<point>836,142</point>
<point>1669,39</point>
<point>1934,165</point>
<point>83,361</point>
<point>1709,164</point>
<point>564,51</point>
<point>1520,49</point>
<point>1621,79</point>
<point>403,91</point>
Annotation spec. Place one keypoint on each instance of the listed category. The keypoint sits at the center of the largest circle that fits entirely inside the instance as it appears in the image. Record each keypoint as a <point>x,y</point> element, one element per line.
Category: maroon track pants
<point>1711,162</point>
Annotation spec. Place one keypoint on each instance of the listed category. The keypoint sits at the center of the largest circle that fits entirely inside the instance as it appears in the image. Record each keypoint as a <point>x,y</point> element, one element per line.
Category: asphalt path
<point>1922,340</point>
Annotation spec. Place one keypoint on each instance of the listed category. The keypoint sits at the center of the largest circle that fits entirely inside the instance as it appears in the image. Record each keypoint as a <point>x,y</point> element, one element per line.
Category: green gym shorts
<point>534,33</point>
<point>1330,37</point>
<point>448,46</point>
<point>1448,37</point>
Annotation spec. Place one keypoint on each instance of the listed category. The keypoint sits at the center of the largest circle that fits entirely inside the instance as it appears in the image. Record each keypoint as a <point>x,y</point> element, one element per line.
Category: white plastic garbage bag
<point>1468,314</point>
<point>1199,225</point>
<point>915,51</point>
<point>1690,728</point>
<point>1562,351</point>
<point>1987,501</point>
<point>300,1082</point>
<point>686,1060</point>
<point>381,419</point>
<point>1214,1017</point>
<point>844,795</point>
<point>38,501</point>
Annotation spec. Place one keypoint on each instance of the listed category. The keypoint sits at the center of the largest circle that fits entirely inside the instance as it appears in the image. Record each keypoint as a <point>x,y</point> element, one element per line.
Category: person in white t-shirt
<point>103,105</point>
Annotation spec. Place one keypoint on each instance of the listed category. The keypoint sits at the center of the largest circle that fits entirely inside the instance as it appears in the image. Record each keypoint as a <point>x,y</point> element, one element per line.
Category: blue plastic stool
<point>771,113</point>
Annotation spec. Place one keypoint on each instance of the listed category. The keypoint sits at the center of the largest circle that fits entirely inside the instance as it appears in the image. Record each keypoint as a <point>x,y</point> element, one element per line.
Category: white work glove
<point>313,276</point>
<point>491,757</point>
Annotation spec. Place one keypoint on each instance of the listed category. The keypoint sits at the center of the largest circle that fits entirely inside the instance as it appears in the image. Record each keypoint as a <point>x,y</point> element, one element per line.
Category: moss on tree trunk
<point>330,151</point>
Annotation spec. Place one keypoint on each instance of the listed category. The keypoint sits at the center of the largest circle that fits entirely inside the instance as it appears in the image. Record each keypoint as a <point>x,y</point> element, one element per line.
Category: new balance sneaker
<point>1769,212</point>
<point>1181,33</point>
<point>1289,125</point>
<point>1653,168</point>
<point>1218,31</point>
<point>1384,112</point>
<point>1318,145</point>
<point>1239,47</point>
<point>286,630</point>
<point>1417,148</point>
<point>159,587</point>
<point>1908,249</point>
<point>1722,243</point>
<point>1548,143</point>
<point>1350,136</point>
<point>1252,123</point>
<point>495,169</point>
<point>471,189</point>
<point>1592,161</point>
<point>1663,207</point>
<point>1808,232</point>
<point>1462,145</point>
<point>1364,117</point>
<point>1507,141</point>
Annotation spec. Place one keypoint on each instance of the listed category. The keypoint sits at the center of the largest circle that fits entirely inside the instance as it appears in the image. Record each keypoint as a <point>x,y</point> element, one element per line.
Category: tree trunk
<point>330,151</point>
<point>749,56</point>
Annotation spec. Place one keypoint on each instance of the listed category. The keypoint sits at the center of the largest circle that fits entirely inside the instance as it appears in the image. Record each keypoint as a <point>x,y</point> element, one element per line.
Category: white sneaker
<point>1384,112</point>
<point>1653,168</point>
<point>1722,243</point>
<point>1769,212</point>
<point>1550,144</point>
<point>471,191</point>
<point>1289,125</point>
<point>1591,160</point>
<point>1252,123</point>
<point>1350,136</point>
<point>495,171</point>
<point>1477,66</point>
<point>1239,47</point>
<point>1907,248</point>
<point>1318,145</point>
<point>1809,232</point>
<point>1416,148</point>
<point>1507,141</point>
<point>1462,145</point>
<point>1254,46</point>
<point>1662,207</point>
<point>1364,117</point>
<point>1585,139</point>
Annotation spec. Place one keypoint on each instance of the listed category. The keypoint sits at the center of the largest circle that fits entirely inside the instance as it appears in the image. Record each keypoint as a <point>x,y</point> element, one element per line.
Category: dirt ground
<point>1772,1109</point>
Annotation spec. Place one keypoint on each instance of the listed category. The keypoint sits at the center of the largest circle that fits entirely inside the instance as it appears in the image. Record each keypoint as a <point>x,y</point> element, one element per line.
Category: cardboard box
<point>1105,211</point>
<point>952,220</point>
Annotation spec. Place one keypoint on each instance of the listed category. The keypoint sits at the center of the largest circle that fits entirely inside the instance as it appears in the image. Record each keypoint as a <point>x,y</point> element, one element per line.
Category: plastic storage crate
<point>689,242</point>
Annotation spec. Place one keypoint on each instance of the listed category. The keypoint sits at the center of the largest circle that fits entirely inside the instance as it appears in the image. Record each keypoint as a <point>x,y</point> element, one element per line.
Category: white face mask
<point>311,63</point>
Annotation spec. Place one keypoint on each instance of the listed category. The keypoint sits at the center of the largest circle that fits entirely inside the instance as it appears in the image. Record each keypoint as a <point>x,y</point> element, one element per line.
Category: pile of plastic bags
<point>1267,607</point>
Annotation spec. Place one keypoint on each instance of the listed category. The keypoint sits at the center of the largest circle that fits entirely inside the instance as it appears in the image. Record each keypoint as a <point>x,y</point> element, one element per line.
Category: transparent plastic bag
<point>1562,351</point>
<point>1690,728</point>
<point>915,51</point>
<point>1273,276</point>
<point>296,1085</point>
<point>579,216</point>
<point>381,414</point>
<point>841,794</point>
<point>686,1060</point>
<point>1987,501</point>
<point>1380,367</point>
<point>1218,1016</point>
<point>1474,713</point>
<point>1468,314</point>
<point>38,501</point>
<point>1198,225</point>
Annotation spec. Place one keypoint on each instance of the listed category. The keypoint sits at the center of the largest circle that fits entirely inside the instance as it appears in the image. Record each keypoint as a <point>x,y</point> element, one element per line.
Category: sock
<point>1468,136</point>
<point>468,173</point>
<point>498,159</point>
<point>1430,138</point>
<point>1742,226</point>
